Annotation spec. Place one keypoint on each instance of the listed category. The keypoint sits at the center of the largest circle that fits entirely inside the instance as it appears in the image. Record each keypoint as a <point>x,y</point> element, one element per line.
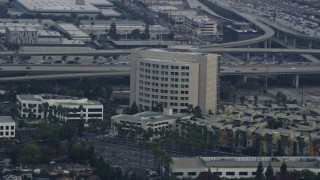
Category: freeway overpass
<point>268,32</point>
<point>177,48</point>
<point>71,71</point>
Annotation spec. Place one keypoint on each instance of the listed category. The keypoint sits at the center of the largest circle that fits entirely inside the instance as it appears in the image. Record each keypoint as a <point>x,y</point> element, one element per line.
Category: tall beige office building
<point>175,80</point>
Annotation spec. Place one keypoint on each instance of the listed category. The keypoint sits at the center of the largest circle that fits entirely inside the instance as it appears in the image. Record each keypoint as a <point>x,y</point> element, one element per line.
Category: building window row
<point>229,173</point>
<point>184,73</point>
<point>6,127</point>
<point>7,133</point>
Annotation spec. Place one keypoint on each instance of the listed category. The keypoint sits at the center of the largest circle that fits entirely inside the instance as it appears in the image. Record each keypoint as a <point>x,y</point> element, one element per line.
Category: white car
<point>52,162</point>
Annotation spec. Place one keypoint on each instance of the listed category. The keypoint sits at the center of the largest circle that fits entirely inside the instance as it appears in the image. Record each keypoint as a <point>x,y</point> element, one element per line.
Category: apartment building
<point>7,127</point>
<point>175,80</point>
<point>64,108</point>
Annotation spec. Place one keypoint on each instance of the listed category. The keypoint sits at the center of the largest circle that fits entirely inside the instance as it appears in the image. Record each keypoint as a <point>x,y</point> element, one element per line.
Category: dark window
<point>254,173</point>
<point>12,133</point>
<point>1,133</point>
<point>74,115</point>
<point>7,133</point>
<point>192,173</point>
<point>95,110</point>
<point>1,127</point>
<point>94,115</point>
<point>230,173</point>
<point>7,127</point>
<point>218,173</point>
<point>178,173</point>
<point>12,127</point>
<point>243,173</point>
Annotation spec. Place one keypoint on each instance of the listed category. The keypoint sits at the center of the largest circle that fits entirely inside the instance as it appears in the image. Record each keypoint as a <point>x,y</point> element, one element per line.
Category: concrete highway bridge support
<point>292,80</point>
<point>294,40</point>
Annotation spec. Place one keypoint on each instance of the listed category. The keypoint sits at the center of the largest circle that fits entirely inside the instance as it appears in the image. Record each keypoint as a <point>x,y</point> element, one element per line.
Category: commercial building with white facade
<point>81,7</point>
<point>153,120</point>
<point>21,35</point>
<point>238,167</point>
<point>200,26</point>
<point>73,32</point>
<point>175,80</point>
<point>124,28</point>
<point>7,127</point>
<point>65,108</point>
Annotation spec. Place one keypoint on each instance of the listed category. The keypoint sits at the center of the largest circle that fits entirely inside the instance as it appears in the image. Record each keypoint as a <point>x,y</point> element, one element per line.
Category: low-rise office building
<point>64,108</point>
<point>21,35</point>
<point>200,26</point>
<point>7,127</point>
<point>156,121</point>
<point>238,167</point>
<point>59,7</point>
<point>124,28</point>
<point>238,32</point>
<point>73,32</point>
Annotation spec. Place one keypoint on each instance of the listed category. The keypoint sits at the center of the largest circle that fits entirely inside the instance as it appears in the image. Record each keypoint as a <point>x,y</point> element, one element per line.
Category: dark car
<point>28,67</point>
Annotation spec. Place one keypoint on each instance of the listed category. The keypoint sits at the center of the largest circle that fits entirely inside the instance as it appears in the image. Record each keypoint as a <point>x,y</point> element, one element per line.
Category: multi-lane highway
<point>178,48</point>
<point>69,71</point>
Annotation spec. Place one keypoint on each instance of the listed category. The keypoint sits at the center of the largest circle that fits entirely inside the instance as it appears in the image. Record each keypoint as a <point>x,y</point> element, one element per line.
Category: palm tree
<point>150,133</point>
<point>301,144</point>
<point>284,142</point>
<point>140,131</point>
<point>45,109</point>
<point>255,100</point>
<point>59,109</point>
<point>268,138</point>
<point>81,108</point>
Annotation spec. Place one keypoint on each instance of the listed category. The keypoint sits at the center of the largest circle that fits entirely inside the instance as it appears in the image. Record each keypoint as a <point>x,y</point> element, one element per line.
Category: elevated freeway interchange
<point>75,71</point>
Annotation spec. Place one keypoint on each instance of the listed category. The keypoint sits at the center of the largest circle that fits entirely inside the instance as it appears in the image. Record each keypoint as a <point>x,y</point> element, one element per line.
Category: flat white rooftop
<point>72,30</point>
<point>6,119</point>
<point>21,29</point>
<point>45,33</point>
<point>62,6</point>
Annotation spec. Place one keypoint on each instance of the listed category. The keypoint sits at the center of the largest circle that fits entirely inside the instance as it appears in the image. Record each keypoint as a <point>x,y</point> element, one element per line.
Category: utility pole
<point>266,83</point>
<point>302,95</point>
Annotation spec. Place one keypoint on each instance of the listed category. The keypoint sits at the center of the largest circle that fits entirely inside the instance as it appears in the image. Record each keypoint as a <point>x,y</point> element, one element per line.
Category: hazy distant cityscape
<point>156,89</point>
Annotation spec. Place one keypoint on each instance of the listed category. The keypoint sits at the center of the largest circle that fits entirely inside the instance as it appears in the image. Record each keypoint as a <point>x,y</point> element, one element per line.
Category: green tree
<point>81,128</point>
<point>113,31</point>
<point>135,34</point>
<point>54,141</point>
<point>134,108</point>
<point>259,172</point>
<point>255,100</point>
<point>28,153</point>
<point>197,112</point>
<point>269,172</point>
<point>283,168</point>
<point>147,32</point>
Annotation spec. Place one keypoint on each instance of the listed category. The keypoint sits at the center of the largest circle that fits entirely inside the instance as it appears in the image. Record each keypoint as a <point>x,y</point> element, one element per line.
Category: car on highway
<point>114,69</point>
<point>28,67</point>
